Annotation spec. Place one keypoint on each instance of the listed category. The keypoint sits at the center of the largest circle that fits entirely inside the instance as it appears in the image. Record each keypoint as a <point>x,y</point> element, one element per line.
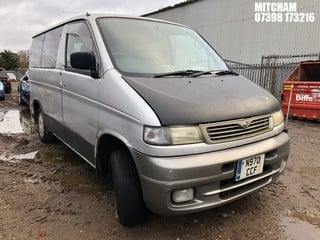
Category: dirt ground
<point>48,192</point>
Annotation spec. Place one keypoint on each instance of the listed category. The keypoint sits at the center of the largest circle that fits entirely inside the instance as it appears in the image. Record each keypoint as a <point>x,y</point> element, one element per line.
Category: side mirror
<point>84,61</point>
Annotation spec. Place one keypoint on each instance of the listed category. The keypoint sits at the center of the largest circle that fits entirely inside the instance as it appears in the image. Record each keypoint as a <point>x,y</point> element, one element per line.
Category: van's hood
<point>183,100</point>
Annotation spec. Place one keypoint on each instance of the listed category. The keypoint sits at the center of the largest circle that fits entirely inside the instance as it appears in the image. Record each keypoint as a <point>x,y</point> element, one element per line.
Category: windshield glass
<point>140,47</point>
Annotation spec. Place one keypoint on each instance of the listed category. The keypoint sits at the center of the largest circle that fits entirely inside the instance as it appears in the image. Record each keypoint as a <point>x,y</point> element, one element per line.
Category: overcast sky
<point>21,19</point>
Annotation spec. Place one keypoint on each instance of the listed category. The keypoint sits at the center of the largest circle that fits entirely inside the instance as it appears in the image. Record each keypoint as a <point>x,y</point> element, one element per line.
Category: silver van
<point>153,104</point>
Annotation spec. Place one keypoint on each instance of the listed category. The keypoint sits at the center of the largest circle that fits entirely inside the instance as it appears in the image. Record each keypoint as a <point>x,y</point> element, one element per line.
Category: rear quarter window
<point>44,49</point>
<point>50,48</point>
<point>35,52</point>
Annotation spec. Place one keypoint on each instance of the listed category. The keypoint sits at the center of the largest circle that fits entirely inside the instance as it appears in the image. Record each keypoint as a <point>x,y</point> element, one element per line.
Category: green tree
<point>9,60</point>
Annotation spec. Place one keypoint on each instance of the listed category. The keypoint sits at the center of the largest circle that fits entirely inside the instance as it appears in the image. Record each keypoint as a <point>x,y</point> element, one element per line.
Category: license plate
<point>249,167</point>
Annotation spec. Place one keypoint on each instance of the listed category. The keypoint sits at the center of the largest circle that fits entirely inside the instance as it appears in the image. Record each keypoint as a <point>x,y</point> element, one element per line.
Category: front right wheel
<point>130,207</point>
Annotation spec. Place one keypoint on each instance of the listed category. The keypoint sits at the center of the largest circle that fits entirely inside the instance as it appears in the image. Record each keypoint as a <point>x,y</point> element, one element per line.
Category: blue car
<point>2,91</point>
<point>5,79</point>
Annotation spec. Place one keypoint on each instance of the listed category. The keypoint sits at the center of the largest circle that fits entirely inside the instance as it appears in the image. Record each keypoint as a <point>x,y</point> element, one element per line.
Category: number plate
<point>249,167</point>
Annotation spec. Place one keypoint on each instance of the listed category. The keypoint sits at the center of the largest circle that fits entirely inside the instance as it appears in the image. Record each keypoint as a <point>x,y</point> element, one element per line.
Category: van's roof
<point>93,16</point>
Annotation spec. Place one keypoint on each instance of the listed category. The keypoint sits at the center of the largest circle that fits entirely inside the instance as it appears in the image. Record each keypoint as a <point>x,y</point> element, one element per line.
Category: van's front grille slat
<point>215,132</point>
<point>236,129</point>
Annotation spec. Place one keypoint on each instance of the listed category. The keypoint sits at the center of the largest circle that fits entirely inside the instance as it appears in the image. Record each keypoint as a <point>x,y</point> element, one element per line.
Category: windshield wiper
<point>195,73</point>
<point>226,72</point>
<point>200,73</point>
<point>217,72</point>
<point>177,73</point>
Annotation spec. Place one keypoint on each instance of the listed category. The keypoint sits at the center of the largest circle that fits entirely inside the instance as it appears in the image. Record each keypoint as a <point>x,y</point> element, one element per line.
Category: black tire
<point>130,207</point>
<point>21,102</point>
<point>44,135</point>
<point>7,90</point>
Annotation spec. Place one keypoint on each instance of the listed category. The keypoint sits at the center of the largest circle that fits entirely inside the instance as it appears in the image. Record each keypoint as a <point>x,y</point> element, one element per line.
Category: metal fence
<point>272,70</point>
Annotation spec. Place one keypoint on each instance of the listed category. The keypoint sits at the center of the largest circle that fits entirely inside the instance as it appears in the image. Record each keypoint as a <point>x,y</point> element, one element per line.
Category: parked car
<point>5,79</point>
<point>152,103</point>
<point>24,89</point>
<point>12,76</point>
<point>2,91</point>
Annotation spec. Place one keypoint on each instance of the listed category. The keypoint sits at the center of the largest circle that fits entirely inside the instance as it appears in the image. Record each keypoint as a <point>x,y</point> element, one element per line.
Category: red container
<point>301,91</point>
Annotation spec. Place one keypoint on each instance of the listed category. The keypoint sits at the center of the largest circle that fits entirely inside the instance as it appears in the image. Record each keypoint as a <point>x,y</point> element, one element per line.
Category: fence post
<point>261,64</point>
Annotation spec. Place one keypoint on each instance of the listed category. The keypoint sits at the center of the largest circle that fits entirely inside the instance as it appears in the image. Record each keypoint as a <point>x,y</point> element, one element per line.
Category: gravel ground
<point>48,192</point>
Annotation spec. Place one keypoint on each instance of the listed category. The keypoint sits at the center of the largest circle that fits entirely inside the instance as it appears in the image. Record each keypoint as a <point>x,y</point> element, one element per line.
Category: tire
<point>44,135</point>
<point>8,90</point>
<point>21,102</point>
<point>130,207</point>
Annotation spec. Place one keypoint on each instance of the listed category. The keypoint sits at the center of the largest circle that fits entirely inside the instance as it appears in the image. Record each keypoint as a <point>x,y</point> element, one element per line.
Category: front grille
<point>233,130</point>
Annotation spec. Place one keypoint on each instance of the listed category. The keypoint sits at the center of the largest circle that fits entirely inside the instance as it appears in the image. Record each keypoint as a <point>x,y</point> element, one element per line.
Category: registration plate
<point>249,167</point>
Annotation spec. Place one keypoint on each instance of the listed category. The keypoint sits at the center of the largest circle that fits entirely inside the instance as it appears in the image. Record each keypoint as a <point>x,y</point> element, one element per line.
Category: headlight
<point>172,135</point>
<point>185,135</point>
<point>277,118</point>
<point>1,87</point>
<point>157,135</point>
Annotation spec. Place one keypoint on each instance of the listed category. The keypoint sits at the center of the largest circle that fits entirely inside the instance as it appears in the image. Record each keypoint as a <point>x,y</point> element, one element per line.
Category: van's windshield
<point>143,47</point>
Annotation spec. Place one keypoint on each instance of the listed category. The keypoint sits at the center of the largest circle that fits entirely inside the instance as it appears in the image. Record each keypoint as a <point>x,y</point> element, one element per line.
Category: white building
<point>232,27</point>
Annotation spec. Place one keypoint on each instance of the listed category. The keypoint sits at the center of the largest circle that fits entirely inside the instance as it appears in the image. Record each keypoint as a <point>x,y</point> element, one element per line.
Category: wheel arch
<point>106,144</point>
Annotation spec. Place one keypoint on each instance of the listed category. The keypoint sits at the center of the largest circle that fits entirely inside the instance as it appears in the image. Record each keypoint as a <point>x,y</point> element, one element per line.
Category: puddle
<point>67,157</point>
<point>16,121</point>
<point>83,183</point>
<point>301,226</point>
<point>86,182</point>
<point>18,158</point>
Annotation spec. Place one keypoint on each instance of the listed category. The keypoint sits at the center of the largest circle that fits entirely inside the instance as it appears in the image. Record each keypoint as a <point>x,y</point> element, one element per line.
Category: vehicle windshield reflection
<point>156,48</point>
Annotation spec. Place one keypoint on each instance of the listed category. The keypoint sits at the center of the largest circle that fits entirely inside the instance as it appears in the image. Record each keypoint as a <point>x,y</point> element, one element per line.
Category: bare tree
<point>23,59</point>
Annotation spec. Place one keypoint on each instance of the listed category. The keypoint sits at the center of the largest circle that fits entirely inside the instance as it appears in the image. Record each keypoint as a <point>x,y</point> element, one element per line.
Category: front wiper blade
<point>217,72</point>
<point>195,73</point>
<point>177,73</point>
<point>227,72</point>
<point>200,73</point>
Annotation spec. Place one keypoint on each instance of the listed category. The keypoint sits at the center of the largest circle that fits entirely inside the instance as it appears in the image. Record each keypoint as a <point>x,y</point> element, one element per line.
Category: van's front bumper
<point>211,175</point>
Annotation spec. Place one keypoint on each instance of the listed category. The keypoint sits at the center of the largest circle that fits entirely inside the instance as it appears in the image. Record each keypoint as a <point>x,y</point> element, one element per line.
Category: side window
<point>79,39</point>
<point>44,49</point>
<point>75,44</point>
<point>35,51</point>
<point>50,48</point>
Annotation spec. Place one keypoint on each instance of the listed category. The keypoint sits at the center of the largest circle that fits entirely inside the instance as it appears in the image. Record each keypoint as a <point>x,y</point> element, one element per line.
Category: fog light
<point>283,165</point>
<point>183,195</point>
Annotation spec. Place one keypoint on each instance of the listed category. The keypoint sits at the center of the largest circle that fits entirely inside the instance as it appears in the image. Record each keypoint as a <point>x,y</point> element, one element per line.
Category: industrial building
<point>245,30</point>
